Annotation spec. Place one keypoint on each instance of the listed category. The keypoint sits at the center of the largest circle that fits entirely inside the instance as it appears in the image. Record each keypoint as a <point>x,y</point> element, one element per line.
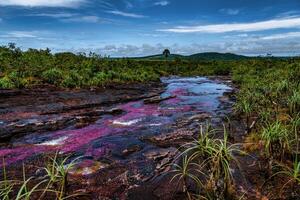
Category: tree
<point>166,53</point>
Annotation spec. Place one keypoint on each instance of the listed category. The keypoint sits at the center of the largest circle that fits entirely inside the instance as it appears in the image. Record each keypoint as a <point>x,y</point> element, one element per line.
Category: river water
<point>112,136</point>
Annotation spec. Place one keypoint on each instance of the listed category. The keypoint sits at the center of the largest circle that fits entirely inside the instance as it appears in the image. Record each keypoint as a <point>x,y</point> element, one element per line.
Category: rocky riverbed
<point>127,135</point>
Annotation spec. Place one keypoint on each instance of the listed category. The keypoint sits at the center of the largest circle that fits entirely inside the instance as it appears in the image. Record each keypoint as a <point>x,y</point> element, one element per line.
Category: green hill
<point>161,57</point>
<point>216,56</point>
<point>198,56</point>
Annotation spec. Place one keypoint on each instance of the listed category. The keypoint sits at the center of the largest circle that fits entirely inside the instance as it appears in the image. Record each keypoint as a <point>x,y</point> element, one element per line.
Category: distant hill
<point>198,56</point>
<point>161,57</point>
<point>217,56</point>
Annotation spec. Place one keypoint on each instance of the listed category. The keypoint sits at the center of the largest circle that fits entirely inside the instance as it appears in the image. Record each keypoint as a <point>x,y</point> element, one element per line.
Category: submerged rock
<point>157,99</point>
<point>200,117</point>
<point>88,167</point>
<point>131,149</point>
<point>193,120</point>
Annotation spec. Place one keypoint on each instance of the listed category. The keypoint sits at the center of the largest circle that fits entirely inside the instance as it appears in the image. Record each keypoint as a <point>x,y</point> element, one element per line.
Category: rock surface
<point>128,135</point>
<point>157,99</point>
<point>48,108</point>
<point>174,138</point>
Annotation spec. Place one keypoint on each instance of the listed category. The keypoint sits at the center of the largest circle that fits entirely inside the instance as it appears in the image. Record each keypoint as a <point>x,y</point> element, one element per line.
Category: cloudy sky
<point>144,27</point>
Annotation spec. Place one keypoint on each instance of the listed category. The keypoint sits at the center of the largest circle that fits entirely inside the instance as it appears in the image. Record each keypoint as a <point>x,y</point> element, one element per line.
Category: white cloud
<point>277,23</point>
<point>161,3</point>
<point>54,15</point>
<point>242,46</point>
<point>19,34</point>
<point>288,14</point>
<point>125,14</point>
<point>71,17</point>
<point>281,36</point>
<point>42,3</point>
<point>230,11</point>
<point>261,37</point>
<point>88,19</point>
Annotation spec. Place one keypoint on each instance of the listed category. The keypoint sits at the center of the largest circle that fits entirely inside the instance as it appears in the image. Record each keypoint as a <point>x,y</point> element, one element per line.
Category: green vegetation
<point>53,183</point>
<point>209,56</point>
<point>207,162</point>
<point>268,103</point>
<point>269,98</point>
<point>19,69</point>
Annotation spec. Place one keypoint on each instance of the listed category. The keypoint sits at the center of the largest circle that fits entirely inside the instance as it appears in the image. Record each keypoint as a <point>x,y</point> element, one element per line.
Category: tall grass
<point>209,158</point>
<point>276,138</point>
<point>54,182</point>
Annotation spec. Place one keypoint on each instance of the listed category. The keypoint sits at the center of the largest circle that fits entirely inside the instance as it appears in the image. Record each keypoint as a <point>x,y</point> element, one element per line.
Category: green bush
<point>72,79</point>
<point>53,76</point>
<point>17,79</point>
<point>6,83</point>
<point>99,79</point>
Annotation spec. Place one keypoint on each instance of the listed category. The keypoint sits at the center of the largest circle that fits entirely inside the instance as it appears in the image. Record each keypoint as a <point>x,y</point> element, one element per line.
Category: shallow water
<point>110,135</point>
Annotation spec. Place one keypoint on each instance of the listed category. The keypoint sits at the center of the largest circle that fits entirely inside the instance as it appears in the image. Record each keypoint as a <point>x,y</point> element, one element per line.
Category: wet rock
<point>6,93</point>
<point>193,120</point>
<point>200,117</point>
<point>99,112</point>
<point>158,154</point>
<point>110,183</point>
<point>114,111</point>
<point>131,149</point>
<point>157,99</point>
<point>52,123</point>
<point>88,167</point>
<point>174,138</point>
<point>82,121</point>
<point>162,157</point>
<point>32,125</point>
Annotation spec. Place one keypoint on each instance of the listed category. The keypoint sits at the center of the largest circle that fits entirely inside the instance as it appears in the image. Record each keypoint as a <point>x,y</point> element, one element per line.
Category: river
<point>139,139</point>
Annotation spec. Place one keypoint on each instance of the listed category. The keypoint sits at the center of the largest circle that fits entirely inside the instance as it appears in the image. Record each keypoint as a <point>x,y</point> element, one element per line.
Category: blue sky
<point>144,27</point>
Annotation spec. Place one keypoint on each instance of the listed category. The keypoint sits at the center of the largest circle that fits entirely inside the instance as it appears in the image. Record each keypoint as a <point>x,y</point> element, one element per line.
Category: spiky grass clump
<point>6,186</point>
<point>55,181</point>
<point>56,172</point>
<point>276,139</point>
<point>244,105</point>
<point>294,102</point>
<point>24,191</point>
<point>211,157</point>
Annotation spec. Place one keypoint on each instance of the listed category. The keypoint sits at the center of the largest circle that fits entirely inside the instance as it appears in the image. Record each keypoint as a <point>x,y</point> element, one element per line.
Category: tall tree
<point>166,53</point>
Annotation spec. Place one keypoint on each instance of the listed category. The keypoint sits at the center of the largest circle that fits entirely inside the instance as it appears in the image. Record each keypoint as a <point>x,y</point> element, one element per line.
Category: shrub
<point>53,76</point>
<point>6,83</point>
<point>72,80</point>
<point>17,80</point>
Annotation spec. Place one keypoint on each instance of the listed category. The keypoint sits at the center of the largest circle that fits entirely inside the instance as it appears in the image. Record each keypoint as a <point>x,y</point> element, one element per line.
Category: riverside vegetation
<point>20,69</point>
<point>267,104</point>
